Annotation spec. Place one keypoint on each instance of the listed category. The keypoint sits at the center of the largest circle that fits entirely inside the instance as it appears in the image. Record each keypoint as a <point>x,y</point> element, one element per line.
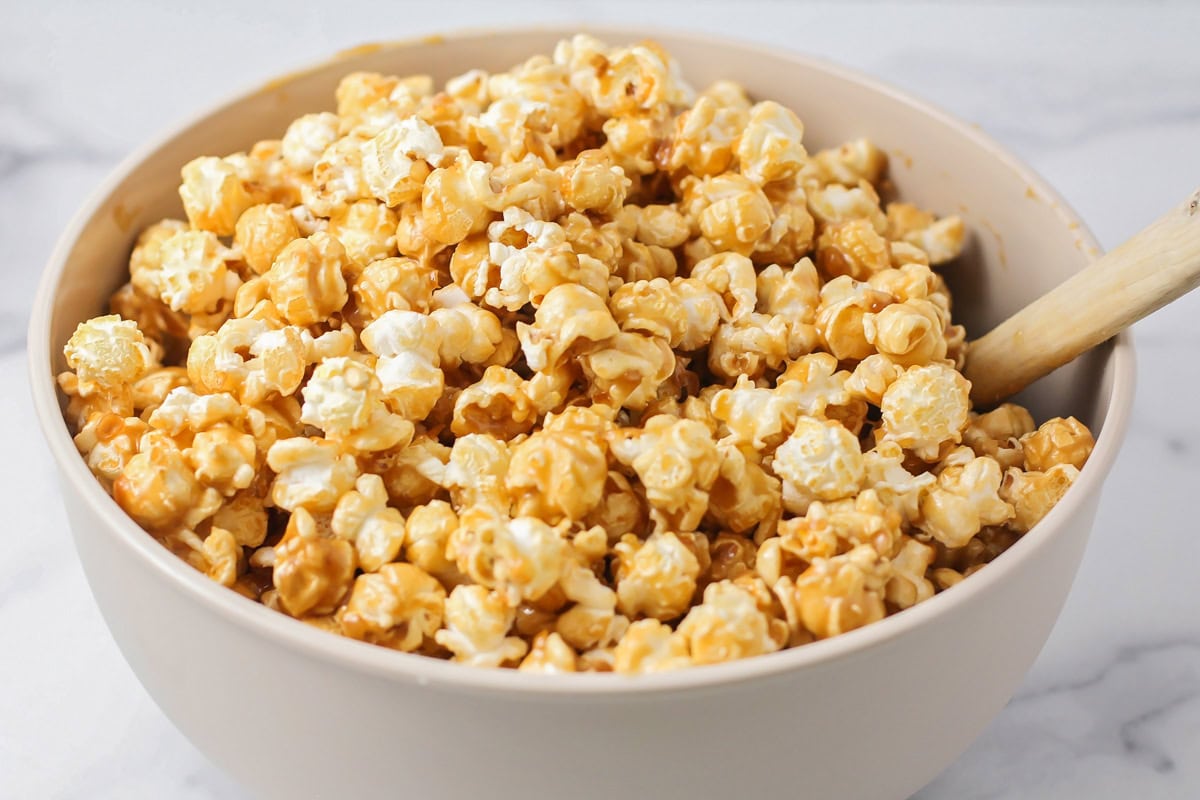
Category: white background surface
<point>1103,100</point>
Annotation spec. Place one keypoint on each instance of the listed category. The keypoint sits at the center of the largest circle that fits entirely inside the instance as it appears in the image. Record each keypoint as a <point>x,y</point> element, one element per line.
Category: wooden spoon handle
<point>1140,276</point>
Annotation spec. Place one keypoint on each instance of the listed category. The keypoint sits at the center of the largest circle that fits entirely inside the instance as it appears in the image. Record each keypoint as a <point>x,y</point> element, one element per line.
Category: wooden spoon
<point>1133,280</point>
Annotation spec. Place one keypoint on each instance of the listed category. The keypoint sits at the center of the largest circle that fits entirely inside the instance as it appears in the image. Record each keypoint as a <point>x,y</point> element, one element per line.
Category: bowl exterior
<point>878,718</point>
<point>879,723</point>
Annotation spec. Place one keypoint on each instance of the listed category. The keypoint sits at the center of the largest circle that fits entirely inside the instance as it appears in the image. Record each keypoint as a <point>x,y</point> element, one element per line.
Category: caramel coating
<point>562,368</point>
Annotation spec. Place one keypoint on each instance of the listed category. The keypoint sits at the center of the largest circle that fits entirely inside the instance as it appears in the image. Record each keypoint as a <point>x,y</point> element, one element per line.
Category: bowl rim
<point>291,634</point>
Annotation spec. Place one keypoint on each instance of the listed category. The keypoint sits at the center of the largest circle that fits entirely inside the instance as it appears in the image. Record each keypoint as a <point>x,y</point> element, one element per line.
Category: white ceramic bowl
<point>293,712</point>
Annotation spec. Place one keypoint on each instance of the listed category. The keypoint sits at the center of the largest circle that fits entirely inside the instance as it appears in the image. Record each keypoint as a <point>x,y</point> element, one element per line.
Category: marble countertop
<point>1102,100</point>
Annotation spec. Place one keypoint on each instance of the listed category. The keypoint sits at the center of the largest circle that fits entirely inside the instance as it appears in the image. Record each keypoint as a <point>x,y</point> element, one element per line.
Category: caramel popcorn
<point>562,368</point>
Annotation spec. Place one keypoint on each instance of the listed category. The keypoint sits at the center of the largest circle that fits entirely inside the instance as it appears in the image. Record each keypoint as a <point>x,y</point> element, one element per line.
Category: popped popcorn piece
<point>306,138</point>
<point>192,275</point>
<point>1033,494</point>
<point>224,555</point>
<point>337,177</point>
<point>549,654</point>
<point>852,162</point>
<point>997,433</point>
<point>362,516</point>
<point>677,463</point>
<point>651,646</point>
<point>426,534</point>
<point>656,577</point>
<point>305,282</point>
<point>908,585</point>
<point>393,284</point>
<point>213,195</point>
<point>728,625</point>
<point>1057,441</point>
<point>310,473</point>
<point>396,161</point>
<point>821,460</point>
<point>261,233</point>
<point>592,622</point>
<point>842,593</point>
<point>911,333</point>
<point>344,398</point>
<point>925,409</point>
<point>558,472</point>
<point>749,346</point>
<point>312,572</point>
<point>835,204</point>
<point>731,210</point>
<point>745,495</point>
<point>592,182</point>
<point>158,488</point>
<point>852,248</point>
<point>895,486</point>
<point>367,231</point>
<point>704,137</point>
<point>497,404</point>
<point>408,367</point>
<point>476,629</point>
<point>964,500</point>
<point>841,315</point>
<point>399,606</point>
<point>475,474</point>
<point>457,200</point>
<point>769,148</point>
<point>522,557</point>
<point>107,442</point>
<point>107,353</point>
<point>628,370</point>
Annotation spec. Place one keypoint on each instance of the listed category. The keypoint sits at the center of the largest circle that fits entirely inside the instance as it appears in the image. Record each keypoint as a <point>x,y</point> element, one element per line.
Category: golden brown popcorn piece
<point>559,472</point>
<point>731,211</point>
<point>214,195</point>
<point>852,248</point>
<point>651,646</point>
<point>910,333</point>
<point>704,137</point>
<point>476,628</point>
<point>840,321</point>
<point>656,577</point>
<point>677,463</point>
<point>426,534</point>
<point>728,625</point>
<point>745,496</point>
<point>394,284</point>
<point>157,486</point>
<point>842,593</point>
<point>852,162</point>
<point>1057,441</point>
<point>592,182</point>
<point>367,231</point>
<point>549,654</point>
<point>399,606</point>
<point>312,572</point>
<point>768,148</point>
<point>1033,494</point>
<point>262,231</point>
<point>965,499</point>
<point>997,433</point>
<point>107,442</point>
<point>305,281</point>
